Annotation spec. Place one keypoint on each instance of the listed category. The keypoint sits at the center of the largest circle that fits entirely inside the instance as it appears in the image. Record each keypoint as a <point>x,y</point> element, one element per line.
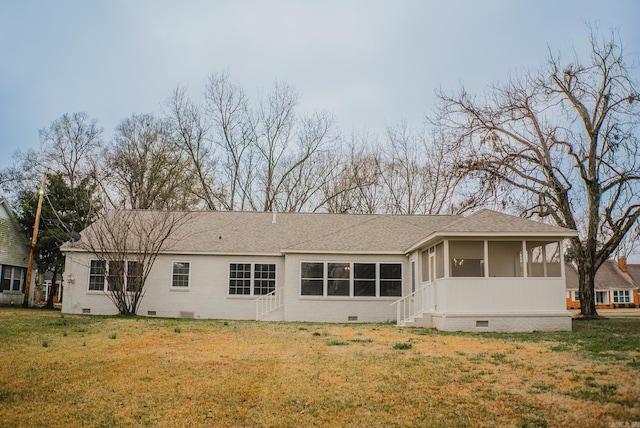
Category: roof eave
<point>441,235</point>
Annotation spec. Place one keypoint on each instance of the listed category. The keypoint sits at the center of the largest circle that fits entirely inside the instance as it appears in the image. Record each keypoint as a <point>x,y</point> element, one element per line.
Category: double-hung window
<point>115,275</point>
<point>97,275</point>
<point>257,279</point>
<point>12,278</point>
<point>346,279</point>
<point>180,277</point>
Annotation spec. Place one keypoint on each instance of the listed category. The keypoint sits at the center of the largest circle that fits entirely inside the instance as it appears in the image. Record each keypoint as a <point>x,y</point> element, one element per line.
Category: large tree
<point>565,140</point>
<point>65,212</point>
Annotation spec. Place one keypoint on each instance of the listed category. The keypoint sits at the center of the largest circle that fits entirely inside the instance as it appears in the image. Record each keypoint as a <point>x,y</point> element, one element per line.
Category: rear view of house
<point>484,272</point>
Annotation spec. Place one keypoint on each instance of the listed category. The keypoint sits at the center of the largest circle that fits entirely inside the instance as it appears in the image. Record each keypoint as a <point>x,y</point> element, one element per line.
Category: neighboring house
<point>484,272</point>
<point>616,285</point>
<point>14,256</point>
<point>47,287</point>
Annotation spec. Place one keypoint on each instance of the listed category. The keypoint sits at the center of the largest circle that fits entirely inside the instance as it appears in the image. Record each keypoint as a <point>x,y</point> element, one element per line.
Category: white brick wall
<point>560,321</point>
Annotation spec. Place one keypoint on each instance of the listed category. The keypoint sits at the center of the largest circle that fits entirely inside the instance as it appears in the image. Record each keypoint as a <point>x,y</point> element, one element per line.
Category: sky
<point>369,63</point>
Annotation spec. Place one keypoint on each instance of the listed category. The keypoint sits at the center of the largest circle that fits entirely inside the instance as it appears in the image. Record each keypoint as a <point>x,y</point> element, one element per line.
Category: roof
<point>609,276</point>
<point>256,232</point>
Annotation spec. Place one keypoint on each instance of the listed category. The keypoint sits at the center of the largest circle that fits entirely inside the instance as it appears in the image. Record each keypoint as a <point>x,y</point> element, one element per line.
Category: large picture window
<point>252,279</point>
<point>621,296</point>
<point>345,279</point>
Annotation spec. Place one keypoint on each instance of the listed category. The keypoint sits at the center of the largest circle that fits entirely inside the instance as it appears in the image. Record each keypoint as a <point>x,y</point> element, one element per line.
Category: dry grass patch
<point>111,371</point>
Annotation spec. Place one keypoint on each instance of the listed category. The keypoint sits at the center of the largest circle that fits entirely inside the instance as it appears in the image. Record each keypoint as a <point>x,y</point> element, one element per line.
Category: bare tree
<point>567,139</point>
<point>68,145</point>
<point>146,169</point>
<point>190,133</point>
<point>126,244</point>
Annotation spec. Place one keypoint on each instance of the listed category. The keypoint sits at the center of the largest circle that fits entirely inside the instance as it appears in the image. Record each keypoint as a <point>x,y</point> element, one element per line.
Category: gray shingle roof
<point>609,276</point>
<point>255,232</point>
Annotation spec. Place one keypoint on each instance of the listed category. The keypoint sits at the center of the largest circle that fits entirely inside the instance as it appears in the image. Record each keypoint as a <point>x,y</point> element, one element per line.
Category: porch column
<point>486,258</point>
<point>445,256</point>
<point>525,260</point>
<point>561,245</point>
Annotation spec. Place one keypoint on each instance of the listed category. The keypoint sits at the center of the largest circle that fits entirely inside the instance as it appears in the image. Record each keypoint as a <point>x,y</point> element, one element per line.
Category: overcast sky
<point>370,63</point>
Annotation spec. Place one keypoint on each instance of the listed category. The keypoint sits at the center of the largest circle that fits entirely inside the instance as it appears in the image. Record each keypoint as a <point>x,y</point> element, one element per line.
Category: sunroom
<point>498,283</point>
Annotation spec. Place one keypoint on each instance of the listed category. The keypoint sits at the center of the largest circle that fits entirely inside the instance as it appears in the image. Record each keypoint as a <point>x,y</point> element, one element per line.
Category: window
<point>576,296</point>
<point>180,274</point>
<point>239,278</point>
<point>391,279</point>
<point>134,276</point>
<point>621,296</point>
<point>117,273</point>
<point>312,279</point>
<point>115,277</point>
<point>364,279</point>
<point>338,279</point>
<point>263,279</point>
<point>12,278</point>
<point>601,298</point>
<point>97,275</point>
<point>350,279</point>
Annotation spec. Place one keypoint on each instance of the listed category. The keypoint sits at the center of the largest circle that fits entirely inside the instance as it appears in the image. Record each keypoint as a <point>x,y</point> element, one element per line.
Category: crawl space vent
<point>186,314</point>
<point>86,310</point>
<point>352,318</point>
<point>482,324</point>
<point>151,313</point>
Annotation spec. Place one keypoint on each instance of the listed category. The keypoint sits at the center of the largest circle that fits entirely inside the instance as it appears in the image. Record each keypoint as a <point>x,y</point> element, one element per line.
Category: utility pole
<point>34,239</point>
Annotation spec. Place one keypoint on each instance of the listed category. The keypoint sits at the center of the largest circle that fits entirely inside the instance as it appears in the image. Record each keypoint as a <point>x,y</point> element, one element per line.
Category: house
<point>14,256</point>
<point>616,285</point>
<point>487,271</point>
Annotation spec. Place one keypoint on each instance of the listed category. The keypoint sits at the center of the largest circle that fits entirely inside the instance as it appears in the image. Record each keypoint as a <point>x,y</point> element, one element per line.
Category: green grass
<point>244,373</point>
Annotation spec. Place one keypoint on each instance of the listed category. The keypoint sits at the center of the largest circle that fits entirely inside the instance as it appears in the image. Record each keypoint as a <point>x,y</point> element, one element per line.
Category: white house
<point>14,256</point>
<point>483,272</point>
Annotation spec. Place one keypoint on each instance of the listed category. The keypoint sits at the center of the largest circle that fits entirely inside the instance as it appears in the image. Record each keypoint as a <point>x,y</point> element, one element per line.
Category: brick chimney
<point>622,263</point>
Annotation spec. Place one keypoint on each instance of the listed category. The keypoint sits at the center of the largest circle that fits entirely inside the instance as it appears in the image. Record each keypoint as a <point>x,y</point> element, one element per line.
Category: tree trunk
<point>586,288</point>
<point>53,291</point>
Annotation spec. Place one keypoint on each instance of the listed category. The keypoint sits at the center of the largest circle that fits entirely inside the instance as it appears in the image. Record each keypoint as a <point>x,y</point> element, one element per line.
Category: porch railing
<point>415,304</point>
<point>269,303</point>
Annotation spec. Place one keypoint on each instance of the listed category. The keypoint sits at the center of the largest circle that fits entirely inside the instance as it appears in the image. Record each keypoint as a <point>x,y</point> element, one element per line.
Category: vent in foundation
<point>86,310</point>
<point>187,314</point>
<point>352,318</point>
<point>482,324</point>
<point>151,312</point>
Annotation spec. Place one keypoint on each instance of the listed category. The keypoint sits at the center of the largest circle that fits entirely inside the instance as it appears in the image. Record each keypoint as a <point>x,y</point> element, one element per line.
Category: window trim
<point>352,279</point>
<point>105,274</point>
<point>621,296</point>
<point>21,277</point>
<point>252,279</point>
<point>180,287</point>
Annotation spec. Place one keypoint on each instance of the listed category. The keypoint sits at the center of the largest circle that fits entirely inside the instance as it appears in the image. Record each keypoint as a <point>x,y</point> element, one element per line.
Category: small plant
<point>64,333</point>
<point>177,329</point>
<point>362,340</point>
<point>84,343</point>
<point>112,336</point>
<point>337,343</point>
<point>45,343</point>
<point>402,346</point>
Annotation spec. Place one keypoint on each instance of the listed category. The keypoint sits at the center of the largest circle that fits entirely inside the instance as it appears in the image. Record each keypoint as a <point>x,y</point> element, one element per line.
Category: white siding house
<point>14,255</point>
<point>484,272</point>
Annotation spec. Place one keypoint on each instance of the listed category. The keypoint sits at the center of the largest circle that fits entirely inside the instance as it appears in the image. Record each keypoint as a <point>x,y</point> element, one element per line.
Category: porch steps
<point>422,320</point>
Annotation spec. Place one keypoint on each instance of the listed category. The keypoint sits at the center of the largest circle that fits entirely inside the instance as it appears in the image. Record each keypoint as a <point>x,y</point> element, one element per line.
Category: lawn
<point>63,370</point>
